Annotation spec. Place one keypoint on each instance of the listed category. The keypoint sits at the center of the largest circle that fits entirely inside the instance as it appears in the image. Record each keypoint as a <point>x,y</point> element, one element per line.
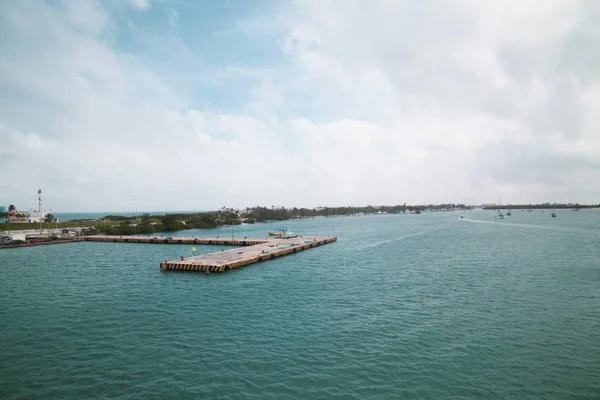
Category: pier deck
<point>254,250</point>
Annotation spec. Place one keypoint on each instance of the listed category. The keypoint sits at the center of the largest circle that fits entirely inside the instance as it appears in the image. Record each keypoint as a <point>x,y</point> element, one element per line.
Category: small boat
<point>530,210</point>
<point>509,213</point>
<point>288,235</point>
<point>283,234</point>
<point>575,209</point>
<point>500,215</point>
<point>553,215</point>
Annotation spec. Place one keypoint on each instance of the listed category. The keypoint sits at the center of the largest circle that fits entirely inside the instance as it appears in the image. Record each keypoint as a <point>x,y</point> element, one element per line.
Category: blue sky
<point>178,104</point>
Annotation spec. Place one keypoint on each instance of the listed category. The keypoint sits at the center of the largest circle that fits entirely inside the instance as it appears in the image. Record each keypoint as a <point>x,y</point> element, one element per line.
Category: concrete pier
<point>254,250</point>
<point>177,240</point>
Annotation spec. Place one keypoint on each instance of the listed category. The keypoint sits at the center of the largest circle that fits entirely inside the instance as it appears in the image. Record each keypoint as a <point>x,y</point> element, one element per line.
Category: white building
<point>34,216</point>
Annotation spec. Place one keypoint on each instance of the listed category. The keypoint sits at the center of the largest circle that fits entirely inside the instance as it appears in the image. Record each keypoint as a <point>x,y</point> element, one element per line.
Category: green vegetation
<point>113,225</point>
<point>120,225</point>
<point>115,218</point>
<point>146,225</point>
<point>260,214</point>
<point>6,226</point>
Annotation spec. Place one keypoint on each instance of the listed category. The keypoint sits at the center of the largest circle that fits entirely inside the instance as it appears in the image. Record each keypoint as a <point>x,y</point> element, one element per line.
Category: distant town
<point>12,215</point>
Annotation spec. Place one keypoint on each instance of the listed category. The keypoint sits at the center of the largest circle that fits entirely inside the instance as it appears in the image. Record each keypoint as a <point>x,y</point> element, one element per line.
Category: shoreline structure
<point>248,250</point>
<point>252,250</point>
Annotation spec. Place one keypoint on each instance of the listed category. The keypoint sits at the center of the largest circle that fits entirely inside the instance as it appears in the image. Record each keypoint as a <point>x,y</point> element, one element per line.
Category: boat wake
<point>533,226</point>
<point>395,239</point>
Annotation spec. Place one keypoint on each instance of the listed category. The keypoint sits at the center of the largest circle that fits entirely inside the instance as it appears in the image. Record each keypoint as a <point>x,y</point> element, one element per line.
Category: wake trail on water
<point>395,239</point>
<point>533,226</point>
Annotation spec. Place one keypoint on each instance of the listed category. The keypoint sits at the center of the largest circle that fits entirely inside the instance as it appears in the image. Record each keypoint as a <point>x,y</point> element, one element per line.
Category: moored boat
<point>500,215</point>
<point>288,235</point>
<point>283,234</point>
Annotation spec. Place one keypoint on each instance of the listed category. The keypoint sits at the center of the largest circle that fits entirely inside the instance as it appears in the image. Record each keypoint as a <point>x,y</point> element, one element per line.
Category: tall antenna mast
<point>40,208</point>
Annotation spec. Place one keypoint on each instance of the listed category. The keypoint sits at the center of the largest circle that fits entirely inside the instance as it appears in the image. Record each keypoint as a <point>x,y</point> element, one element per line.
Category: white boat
<point>288,235</point>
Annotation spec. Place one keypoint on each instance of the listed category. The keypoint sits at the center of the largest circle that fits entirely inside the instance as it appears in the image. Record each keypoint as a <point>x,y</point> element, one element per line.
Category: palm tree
<point>12,208</point>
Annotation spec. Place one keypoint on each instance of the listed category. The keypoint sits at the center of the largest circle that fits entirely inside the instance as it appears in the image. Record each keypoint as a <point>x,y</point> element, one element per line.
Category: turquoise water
<point>406,306</point>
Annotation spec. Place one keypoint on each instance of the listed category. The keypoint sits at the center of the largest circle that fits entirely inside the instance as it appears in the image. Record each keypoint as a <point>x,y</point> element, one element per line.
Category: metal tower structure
<point>40,208</point>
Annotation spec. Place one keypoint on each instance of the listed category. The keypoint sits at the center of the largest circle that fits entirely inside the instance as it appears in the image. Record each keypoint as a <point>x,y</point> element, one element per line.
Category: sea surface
<point>400,307</point>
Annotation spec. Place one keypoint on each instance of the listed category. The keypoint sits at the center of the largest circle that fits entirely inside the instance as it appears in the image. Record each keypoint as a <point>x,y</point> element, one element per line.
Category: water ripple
<point>400,307</point>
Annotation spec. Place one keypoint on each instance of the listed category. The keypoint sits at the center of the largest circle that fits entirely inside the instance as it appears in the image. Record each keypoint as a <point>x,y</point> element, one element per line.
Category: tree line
<point>121,225</point>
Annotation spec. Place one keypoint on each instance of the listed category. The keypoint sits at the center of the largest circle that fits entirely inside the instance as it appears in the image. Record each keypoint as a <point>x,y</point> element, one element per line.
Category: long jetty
<point>252,250</point>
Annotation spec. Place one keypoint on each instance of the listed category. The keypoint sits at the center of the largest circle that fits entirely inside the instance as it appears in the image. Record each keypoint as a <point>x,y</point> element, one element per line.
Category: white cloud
<point>173,15</point>
<point>451,80</point>
<point>87,15</point>
<point>381,103</point>
<point>140,4</point>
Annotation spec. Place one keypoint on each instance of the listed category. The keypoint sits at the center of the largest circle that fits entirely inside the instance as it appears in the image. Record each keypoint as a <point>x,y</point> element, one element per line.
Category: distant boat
<point>509,213</point>
<point>276,233</point>
<point>575,209</point>
<point>530,210</point>
<point>553,215</point>
<point>499,215</point>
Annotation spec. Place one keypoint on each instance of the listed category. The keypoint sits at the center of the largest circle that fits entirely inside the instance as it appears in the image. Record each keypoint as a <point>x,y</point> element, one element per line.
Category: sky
<point>121,105</point>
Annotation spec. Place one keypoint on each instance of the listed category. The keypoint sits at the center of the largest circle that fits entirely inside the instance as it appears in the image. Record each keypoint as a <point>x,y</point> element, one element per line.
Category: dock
<point>251,250</point>
<point>17,246</point>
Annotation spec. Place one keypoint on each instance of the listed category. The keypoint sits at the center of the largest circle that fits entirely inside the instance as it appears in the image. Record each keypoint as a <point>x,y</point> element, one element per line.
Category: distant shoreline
<point>540,206</point>
<point>318,211</point>
<point>147,223</point>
